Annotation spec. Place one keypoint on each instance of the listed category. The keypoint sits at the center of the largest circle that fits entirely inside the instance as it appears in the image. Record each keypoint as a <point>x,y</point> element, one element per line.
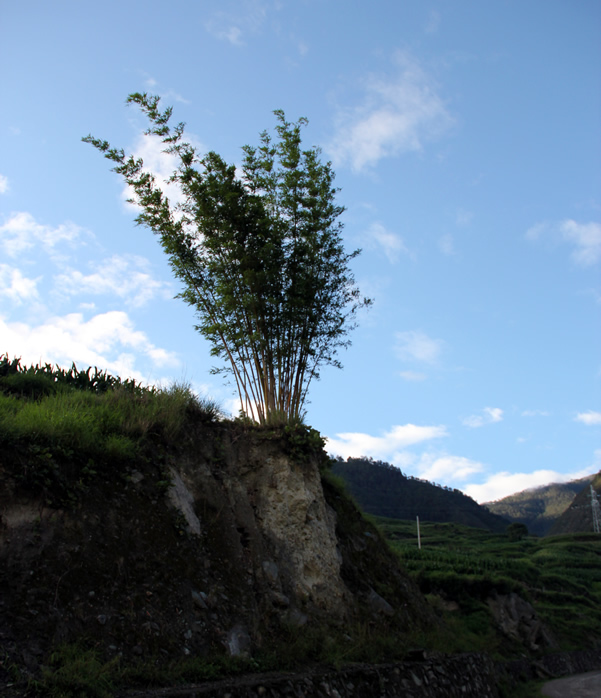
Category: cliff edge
<point>233,542</point>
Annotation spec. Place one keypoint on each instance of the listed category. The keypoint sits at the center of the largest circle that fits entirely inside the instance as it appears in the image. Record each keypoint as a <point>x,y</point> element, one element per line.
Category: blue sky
<point>467,144</point>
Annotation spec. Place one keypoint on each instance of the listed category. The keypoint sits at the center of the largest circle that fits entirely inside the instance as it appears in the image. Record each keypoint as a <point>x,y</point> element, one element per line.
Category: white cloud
<point>16,287</point>
<point>3,184</point>
<point>124,276</point>
<point>589,418</point>
<point>387,446</point>
<point>490,415</point>
<point>412,376</point>
<point>225,28</point>
<point>107,340</point>
<point>444,467</point>
<point>446,245</point>
<point>391,243</point>
<point>464,217</point>
<point>415,345</point>
<point>21,232</point>
<point>536,231</point>
<point>159,163</point>
<point>398,114</point>
<point>535,413</point>
<point>587,239</point>
<point>231,26</point>
<point>504,483</point>
<point>433,22</point>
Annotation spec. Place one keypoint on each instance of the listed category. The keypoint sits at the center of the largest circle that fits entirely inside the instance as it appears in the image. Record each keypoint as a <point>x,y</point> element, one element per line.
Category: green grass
<point>560,576</point>
<point>60,429</point>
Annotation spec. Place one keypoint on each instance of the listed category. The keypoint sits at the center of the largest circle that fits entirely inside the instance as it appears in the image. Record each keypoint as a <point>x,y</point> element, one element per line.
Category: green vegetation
<point>260,256</point>
<point>81,671</point>
<point>539,508</point>
<point>60,429</point>
<point>460,568</point>
<point>381,489</point>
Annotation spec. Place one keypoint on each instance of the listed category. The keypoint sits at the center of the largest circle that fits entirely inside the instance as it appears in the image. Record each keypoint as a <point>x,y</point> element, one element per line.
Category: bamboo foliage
<point>259,254</point>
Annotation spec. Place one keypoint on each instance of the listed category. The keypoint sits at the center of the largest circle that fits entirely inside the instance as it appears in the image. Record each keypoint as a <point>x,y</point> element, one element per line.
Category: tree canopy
<point>259,252</point>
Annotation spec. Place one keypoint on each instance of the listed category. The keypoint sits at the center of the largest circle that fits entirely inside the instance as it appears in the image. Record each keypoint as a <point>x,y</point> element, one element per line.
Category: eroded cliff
<point>230,543</point>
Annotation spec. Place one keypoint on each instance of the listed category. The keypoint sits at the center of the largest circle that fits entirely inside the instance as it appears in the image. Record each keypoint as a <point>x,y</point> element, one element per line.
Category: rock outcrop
<point>518,620</point>
<point>214,548</point>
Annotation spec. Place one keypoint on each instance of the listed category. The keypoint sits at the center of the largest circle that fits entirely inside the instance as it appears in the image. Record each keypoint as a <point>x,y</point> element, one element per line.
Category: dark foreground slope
<point>383,490</point>
<point>224,547</point>
<point>145,543</point>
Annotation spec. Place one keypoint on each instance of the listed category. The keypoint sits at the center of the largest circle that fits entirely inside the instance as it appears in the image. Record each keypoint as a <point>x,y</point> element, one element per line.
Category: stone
<point>199,599</point>
<point>279,599</point>
<point>181,498</point>
<point>379,604</point>
<point>271,571</point>
<point>238,641</point>
<point>518,620</point>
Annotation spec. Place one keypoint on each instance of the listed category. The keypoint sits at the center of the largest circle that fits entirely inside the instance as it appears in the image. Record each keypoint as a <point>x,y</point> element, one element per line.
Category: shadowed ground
<point>581,686</point>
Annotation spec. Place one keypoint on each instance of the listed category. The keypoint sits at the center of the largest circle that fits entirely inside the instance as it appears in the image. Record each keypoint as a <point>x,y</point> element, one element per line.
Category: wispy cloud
<point>415,345</point>
<point>398,114</point>
<point>433,22</point>
<point>127,277</point>
<point>412,376</point>
<point>589,418</point>
<point>535,413</point>
<point>168,94</point>
<point>3,184</point>
<point>233,26</point>
<point>386,446</point>
<point>463,217</point>
<point>21,232</point>
<point>584,237</point>
<point>229,32</point>
<point>489,415</point>
<point>390,243</point>
<point>446,245</point>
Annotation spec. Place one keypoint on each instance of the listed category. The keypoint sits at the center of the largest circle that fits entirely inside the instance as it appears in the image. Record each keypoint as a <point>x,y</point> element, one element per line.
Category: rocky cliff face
<point>218,547</point>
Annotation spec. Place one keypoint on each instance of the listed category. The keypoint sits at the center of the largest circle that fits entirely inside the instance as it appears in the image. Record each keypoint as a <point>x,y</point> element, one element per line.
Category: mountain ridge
<point>540,508</point>
<point>382,489</point>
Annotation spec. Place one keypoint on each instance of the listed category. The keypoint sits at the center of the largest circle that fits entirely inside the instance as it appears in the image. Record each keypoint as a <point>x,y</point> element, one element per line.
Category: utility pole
<point>419,540</point>
<point>596,509</point>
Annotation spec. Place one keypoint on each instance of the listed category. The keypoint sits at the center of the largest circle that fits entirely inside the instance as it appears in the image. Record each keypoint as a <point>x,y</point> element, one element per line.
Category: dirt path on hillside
<point>581,686</point>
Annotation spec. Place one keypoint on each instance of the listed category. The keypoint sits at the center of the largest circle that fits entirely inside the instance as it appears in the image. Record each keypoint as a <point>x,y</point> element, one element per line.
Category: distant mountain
<point>383,490</point>
<point>540,507</point>
<point>578,517</point>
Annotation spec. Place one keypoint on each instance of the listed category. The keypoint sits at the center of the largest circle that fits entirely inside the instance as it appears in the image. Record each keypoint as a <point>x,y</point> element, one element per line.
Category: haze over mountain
<point>539,508</point>
<point>579,515</point>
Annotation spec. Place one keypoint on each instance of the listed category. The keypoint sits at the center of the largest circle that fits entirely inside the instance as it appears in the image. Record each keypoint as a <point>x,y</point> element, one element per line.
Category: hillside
<point>141,533</point>
<point>578,517</point>
<point>539,507</point>
<point>146,541</point>
<point>383,490</point>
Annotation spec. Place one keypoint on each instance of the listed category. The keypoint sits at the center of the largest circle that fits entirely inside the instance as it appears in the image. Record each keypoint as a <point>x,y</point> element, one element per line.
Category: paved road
<point>580,686</point>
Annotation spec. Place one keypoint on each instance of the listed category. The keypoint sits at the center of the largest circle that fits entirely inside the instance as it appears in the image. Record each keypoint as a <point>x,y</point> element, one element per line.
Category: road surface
<point>579,686</point>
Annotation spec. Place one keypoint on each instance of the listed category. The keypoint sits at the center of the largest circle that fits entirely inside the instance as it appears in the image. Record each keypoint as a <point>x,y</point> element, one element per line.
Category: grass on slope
<point>560,575</point>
